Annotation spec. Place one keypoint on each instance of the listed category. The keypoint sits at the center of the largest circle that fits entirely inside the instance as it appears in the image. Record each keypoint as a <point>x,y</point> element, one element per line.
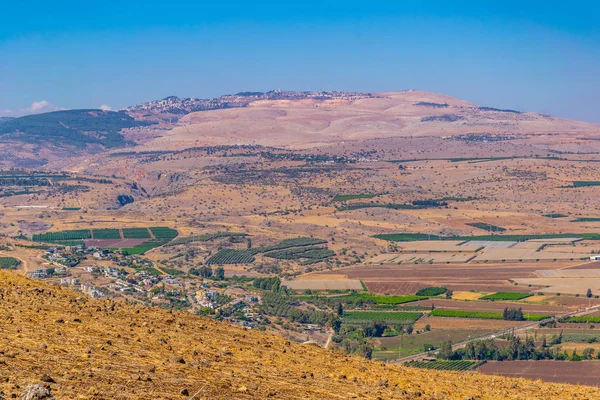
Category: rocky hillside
<point>77,347</point>
<point>180,106</point>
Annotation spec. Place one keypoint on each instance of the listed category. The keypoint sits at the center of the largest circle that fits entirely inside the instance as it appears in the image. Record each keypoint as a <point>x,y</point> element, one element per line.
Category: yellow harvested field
<point>562,285</point>
<point>436,245</point>
<point>467,295</point>
<point>329,277</point>
<point>536,299</point>
<point>420,258</point>
<point>516,254</point>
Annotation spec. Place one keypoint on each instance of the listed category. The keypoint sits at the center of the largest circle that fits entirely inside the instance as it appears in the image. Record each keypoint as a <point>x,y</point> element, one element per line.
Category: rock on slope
<point>101,349</point>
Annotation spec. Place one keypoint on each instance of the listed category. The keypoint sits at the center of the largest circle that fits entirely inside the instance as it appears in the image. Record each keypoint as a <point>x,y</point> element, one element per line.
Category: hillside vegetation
<point>85,348</point>
<point>72,127</point>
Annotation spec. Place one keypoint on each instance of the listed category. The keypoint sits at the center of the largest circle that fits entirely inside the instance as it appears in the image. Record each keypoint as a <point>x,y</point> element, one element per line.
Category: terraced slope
<point>100,349</point>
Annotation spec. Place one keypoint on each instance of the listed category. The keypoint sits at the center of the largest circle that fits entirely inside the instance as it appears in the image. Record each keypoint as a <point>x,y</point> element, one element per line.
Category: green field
<point>432,291</point>
<point>481,315</point>
<point>379,205</point>
<point>487,227</point>
<point>586,219</point>
<point>163,232</point>
<point>444,365</point>
<point>582,319</point>
<point>144,247</point>
<point>108,233</point>
<point>506,296</point>
<point>405,345</point>
<point>9,263</point>
<point>63,235</point>
<point>366,317</point>
<point>230,256</point>
<point>136,233</point>
<point>554,215</point>
<point>585,183</point>
<point>391,300</point>
<point>345,197</point>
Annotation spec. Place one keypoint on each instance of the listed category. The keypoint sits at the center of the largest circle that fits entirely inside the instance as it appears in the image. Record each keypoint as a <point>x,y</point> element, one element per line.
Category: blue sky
<point>532,56</point>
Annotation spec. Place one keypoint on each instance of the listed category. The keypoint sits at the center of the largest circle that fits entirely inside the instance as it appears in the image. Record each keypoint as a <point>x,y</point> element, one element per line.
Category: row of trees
<point>517,349</point>
<point>207,272</point>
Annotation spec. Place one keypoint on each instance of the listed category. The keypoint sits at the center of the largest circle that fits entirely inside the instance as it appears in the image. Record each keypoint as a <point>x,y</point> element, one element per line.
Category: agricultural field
<point>582,319</point>
<point>408,279</point>
<point>346,197</point>
<point>390,348</point>
<point>62,236</point>
<point>506,296</point>
<point>422,258</point>
<point>555,215</point>
<point>482,315</point>
<point>163,232</point>
<point>9,263</point>
<point>323,284</point>
<point>136,233</point>
<point>393,318</point>
<point>106,233</point>
<point>467,296</point>
<point>230,256</point>
<point>444,365</point>
<point>582,373</point>
<point>486,227</point>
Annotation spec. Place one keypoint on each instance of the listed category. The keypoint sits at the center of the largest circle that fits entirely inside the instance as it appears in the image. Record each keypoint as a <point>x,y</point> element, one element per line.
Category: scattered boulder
<point>36,392</point>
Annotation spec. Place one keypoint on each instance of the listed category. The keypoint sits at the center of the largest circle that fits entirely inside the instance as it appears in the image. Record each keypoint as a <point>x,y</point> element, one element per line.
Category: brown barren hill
<point>310,123</point>
<point>85,348</point>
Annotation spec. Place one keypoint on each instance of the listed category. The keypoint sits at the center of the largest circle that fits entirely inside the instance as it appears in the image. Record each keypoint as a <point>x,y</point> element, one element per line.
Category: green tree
<point>340,309</point>
<point>445,352</point>
<point>220,273</point>
<point>587,353</point>
<point>589,294</point>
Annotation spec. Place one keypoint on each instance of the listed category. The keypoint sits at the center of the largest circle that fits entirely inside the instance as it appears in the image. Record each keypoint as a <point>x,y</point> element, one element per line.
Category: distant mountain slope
<point>313,122</point>
<point>105,349</point>
<point>76,128</point>
<point>180,106</point>
<point>4,119</point>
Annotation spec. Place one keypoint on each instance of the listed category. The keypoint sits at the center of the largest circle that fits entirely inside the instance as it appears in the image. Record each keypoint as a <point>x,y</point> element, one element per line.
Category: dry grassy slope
<point>107,350</point>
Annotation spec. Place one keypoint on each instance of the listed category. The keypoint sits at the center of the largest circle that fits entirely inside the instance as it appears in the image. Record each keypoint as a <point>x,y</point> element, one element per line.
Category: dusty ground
<point>102,349</point>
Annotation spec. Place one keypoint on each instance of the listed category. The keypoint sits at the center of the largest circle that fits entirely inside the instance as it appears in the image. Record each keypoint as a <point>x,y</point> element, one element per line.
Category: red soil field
<point>114,243</point>
<point>465,277</point>
<point>583,372</point>
<point>590,265</point>
<point>395,288</point>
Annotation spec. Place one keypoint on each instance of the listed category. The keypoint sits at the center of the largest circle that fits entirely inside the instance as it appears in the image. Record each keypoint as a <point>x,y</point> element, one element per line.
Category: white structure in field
<point>595,258</point>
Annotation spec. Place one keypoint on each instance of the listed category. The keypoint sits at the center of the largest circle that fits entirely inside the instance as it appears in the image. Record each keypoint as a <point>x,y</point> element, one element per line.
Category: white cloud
<point>105,107</point>
<point>37,107</point>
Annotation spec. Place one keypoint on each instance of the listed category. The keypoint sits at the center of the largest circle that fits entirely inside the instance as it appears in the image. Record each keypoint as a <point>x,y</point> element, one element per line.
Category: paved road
<point>495,335</point>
